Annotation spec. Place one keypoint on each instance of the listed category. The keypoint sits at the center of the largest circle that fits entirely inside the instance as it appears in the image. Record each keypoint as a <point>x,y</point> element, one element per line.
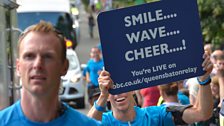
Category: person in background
<point>169,94</point>
<point>216,55</point>
<point>181,97</point>
<point>192,83</point>
<point>91,23</point>
<point>215,90</point>
<point>40,64</point>
<point>215,58</point>
<point>193,88</point>
<point>92,5</point>
<point>94,67</point>
<point>94,95</point>
<point>220,75</point>
<point>214,120</point>
<point>64,25</point>
<point>182,88</point>
<point>124,111</point>
<point>208,47</point>
<point>150,96</point>
<point>72,32</point>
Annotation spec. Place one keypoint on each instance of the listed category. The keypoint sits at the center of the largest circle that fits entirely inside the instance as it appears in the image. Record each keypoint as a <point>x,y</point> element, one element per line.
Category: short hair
<point>169,89</point>
<point>96,47</point>
<point>44,27</point>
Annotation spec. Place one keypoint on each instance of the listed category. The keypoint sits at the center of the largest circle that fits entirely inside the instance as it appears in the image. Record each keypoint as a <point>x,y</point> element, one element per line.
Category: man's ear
<point>17,68</point>
<point>65,67</point>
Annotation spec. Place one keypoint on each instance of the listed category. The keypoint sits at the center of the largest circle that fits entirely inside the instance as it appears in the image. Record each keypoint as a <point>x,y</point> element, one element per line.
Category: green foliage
<point>212,21</point>
<point>148,1</point>
<point>123,3</point>
<point>211,15</point>
<point>86,3</point>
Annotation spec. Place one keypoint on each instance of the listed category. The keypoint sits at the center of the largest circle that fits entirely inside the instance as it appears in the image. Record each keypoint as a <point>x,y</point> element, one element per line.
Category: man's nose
<point>38,63</point>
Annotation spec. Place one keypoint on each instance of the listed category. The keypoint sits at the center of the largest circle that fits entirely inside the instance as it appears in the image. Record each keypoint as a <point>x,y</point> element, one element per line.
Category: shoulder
<point>160,114</point>
<point>108,118</point>
<point>177,113</point>
<point>156,115</point>
<point>108,114</point>
<point>89,61</point>
<point>156,111</point>
<point>9,114</point>
<point>77,118</point>
<point>152,109</point>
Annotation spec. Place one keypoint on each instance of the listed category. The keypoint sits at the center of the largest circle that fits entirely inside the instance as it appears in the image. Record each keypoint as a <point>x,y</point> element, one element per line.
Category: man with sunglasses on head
<point>125,113</point>
<point>40,64</point>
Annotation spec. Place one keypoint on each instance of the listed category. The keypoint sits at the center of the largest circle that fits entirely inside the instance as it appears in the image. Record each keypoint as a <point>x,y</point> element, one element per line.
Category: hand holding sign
<point>105,82</point>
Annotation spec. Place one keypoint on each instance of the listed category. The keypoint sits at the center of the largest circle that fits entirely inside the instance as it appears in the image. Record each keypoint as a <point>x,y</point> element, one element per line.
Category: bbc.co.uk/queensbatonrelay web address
<point>146,80</point>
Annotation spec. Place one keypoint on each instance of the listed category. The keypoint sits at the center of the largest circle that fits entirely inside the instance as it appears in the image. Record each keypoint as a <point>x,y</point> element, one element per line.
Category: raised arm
<point>203,110</point>
<point>105,84</point>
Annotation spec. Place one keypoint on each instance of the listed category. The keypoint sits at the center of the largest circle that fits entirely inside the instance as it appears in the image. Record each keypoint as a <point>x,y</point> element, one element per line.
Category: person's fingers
<point>105,82</point>
<point>104,73</point>
<point>206,59</point>
<point>207,65</point>
<point>108,82</point>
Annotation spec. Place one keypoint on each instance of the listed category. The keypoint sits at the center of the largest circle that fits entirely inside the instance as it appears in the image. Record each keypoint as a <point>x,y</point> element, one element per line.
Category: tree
<point>211,15</point>
<point>212,21</point>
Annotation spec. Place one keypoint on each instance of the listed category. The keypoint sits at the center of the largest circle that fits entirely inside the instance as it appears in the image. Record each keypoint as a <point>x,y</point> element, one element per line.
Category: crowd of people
<point>197,101</point>
<point>183,94</point>
<point>171,99</point>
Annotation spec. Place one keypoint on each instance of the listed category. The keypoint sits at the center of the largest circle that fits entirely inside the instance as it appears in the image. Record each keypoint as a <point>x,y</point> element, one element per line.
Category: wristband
<point>205,82</point>
<point>99,108</point>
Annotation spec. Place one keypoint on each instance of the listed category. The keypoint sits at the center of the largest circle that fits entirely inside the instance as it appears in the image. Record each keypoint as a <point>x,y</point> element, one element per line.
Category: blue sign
<point>151,44</point>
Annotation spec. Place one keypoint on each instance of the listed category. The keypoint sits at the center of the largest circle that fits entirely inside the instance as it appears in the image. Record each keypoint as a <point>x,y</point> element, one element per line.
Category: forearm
<point>93,113</point>
<point>203,109</point>
<point>205,101</point>
<point>87,77</point>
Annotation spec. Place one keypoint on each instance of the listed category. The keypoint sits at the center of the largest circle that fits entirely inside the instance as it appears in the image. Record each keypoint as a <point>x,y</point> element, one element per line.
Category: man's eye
<point>29,56</point>
<point>48,56</point>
